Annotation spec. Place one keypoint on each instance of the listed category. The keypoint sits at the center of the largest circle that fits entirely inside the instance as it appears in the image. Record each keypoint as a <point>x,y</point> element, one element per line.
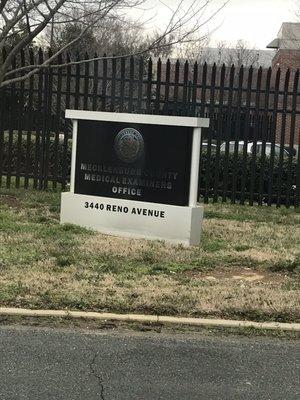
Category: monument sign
<point>135,175</point>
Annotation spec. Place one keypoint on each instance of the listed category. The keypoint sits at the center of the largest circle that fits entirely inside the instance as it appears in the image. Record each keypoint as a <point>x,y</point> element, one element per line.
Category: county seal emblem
<point>129,145</point>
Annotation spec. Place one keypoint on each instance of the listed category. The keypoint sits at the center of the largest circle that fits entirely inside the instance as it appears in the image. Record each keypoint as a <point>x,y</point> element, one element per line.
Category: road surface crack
<point>93,370</point>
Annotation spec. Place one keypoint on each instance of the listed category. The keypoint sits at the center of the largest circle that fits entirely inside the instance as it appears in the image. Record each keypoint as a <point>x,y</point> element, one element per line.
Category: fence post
<point>292,138</point>
<point>29,118</point>
<point>158,87</point>
<point>122,86</point>
<point>228,133</point>
<point>104,84</point>
<point>254,147</point>
<point>149,86</point>
<point>264,139</point>
<point>282,137</point>
<point>131,85</point>
<point>219,132</point>
<point>236,172</point>
<point>11,121</point>
<point>20,112</point>
<point>140,85</point>
<point>66,132</point>
<point>246,135</point>
<point>273,139</point>
<point>208,169</point>
<point>57,123</point>
<point>3,114</point>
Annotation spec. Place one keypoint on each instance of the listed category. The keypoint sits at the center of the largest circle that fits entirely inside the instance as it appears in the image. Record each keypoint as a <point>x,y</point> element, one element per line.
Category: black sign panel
<point>134,161</point>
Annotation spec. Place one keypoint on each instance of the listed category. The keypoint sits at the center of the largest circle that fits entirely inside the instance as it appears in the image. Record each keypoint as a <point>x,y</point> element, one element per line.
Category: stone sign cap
<point>192,122</point>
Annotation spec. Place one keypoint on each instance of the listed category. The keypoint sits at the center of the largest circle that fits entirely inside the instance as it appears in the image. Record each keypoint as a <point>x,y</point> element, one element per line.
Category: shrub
<point>30,156</point>
<point>224,174</point>
<point>234,173</point>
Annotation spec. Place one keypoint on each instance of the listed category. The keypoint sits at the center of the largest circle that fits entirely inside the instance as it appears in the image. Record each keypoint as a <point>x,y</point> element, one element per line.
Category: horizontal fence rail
<point>249,154</point>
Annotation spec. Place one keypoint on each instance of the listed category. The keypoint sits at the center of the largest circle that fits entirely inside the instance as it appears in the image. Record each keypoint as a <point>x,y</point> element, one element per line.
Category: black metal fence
<point>249,153</point>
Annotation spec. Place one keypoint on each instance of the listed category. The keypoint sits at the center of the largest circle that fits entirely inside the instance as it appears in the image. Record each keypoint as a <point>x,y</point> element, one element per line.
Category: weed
<point>64,261</point>
<point>287,265</point>
<point>241,247</point>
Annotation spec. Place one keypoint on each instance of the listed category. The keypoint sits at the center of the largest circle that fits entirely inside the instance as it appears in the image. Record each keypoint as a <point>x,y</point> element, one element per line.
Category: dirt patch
<point>241,274</point>
<point>10,201</point>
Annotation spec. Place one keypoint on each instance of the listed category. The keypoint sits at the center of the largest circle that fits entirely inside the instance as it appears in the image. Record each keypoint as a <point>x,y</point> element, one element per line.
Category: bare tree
<point>111,37</point>
<point>296,9</point>
<point>241,54</point>
<point>185,21</point>
<point>196,51</point>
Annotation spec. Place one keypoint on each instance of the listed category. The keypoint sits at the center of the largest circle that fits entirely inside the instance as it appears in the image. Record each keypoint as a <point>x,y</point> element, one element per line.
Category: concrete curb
<point>221,323</point>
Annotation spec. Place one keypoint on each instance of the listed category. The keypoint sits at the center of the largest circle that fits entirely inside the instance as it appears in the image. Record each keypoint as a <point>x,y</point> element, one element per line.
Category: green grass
<point>45,264</point>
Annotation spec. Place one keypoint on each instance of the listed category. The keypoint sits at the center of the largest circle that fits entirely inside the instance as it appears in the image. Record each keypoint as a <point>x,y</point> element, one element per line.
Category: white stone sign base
<point>175,224</point>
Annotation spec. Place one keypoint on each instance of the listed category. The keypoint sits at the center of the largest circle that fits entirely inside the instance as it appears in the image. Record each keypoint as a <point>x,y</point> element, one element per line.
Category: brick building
<point>287,45</point>
<point>287,58</point>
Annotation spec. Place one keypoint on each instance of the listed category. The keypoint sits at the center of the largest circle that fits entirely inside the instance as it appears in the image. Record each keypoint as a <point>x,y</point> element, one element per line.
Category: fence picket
<point>246,135</point>
<point>282,137</point>
<point>29,120</point>
<point>236,135</point>
<point>273,137</point>
<point>202,114</point>
<point>95,83</point>
<point>167,88</point>
<point>291,138</point>
<point>11,119</point>
<point>131,84</point>
<point>203,91</point>
<point>228,133</point>
<point>176,87</point>
<point>77,83</point>
<point>113,84</point>
<point>149,87</point>
<point>64,168</point>
<point>158,87</point>
<point>255,137</point>
<point>297,180</point>
<point>20,111</point>
<point>264,138</point>
<point>140,86</point>
<point>86,83</point>
<point>2,129</point>
<point>3,105</point>
<point>104,84</point>
<point>208,170</point>
<point>122,86</point>
<point>185,98</point>
<point>219,130</point>
<point>57,123</point>
<point>39,123</point>
<point>44,170</point>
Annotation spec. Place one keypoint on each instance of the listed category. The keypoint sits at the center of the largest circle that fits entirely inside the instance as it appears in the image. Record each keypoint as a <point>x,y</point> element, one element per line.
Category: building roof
<point>288,37</point>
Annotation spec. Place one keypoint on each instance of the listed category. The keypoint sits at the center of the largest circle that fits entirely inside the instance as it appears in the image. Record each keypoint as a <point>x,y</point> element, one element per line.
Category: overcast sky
<point>256,21</point>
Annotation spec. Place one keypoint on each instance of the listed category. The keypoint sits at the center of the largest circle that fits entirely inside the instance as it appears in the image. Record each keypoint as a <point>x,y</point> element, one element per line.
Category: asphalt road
<point>43,363</point>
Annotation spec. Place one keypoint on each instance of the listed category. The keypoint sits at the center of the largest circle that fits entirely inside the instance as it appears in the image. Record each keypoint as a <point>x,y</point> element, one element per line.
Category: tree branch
<point>178,30</point>
<point>2,5</point>
<point>28,39</point>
